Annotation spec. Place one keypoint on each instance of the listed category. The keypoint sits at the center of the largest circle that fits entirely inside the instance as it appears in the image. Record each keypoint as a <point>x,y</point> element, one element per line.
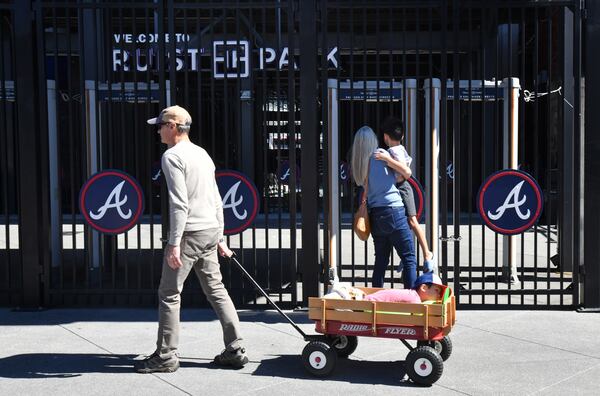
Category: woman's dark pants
<point>389,228</point>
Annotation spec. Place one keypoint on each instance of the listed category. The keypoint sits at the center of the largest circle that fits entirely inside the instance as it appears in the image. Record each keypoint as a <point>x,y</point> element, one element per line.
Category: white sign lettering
<point>230,196</point>
<point>226,58</point>
<point>144,58</point>
<point>109,204</point>
<point>400,331</point>
<point>230,58</point>
<point>353,327</point>
<point>515,204</point>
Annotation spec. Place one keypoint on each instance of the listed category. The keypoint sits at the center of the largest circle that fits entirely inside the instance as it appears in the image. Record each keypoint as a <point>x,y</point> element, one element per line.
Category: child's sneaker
<point>236,358</point>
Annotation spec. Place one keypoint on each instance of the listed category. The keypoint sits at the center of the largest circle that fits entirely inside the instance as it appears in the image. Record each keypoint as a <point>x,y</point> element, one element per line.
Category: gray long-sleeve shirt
<point>194,199</point>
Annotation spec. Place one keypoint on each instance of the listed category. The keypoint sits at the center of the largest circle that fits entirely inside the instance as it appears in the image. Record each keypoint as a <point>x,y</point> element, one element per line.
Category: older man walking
<point>195,236</point>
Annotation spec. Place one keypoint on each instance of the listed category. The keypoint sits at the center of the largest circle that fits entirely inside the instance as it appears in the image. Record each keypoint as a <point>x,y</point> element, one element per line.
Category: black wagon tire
<point>443,346</point>
<point>344,345</point>
<point>319,358</point>
<point>424,365</point>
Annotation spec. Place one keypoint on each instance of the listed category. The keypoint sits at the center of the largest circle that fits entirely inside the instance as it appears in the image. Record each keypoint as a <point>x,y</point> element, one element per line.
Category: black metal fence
<point>468,46</point>
<point>10,259</point>
<point>244,70</point>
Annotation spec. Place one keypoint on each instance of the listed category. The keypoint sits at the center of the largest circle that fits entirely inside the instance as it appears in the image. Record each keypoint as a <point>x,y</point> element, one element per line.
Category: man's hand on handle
<point>224,250</point>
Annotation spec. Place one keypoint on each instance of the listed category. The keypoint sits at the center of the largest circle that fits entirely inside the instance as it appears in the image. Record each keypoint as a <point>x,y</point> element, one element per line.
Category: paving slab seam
<point>111,353</point>
<point>564,379</point>
<point>265,387</point>
<point>451,389</point>
<point>85,339</point>
<point>532,342</point>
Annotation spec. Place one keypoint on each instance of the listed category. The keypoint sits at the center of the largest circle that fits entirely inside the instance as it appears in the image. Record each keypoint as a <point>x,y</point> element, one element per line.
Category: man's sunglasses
<point>160,124</point>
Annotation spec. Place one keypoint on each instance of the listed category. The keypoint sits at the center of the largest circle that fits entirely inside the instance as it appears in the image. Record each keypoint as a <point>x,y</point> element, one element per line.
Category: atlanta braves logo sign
<point>111,201</point>
<point>240,200</point>
<point>510,201</point>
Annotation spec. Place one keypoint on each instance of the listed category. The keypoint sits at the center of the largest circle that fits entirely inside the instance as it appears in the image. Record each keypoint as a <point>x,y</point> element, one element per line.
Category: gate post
<point>29,141</point>
<point>432,152</point>
<point>310,152</point>
<point>591,228</point>
<point>510,160</point>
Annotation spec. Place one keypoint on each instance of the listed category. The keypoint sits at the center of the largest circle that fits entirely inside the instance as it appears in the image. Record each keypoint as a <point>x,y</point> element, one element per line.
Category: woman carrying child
<point>389,226</point>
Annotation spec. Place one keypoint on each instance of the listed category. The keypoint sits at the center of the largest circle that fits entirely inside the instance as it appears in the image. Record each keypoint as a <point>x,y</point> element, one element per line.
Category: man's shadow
<point>63,365</point>
<point>346,370</point>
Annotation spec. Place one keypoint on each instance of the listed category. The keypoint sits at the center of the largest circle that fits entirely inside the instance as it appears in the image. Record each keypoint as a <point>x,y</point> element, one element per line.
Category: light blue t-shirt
<point>382,185</point>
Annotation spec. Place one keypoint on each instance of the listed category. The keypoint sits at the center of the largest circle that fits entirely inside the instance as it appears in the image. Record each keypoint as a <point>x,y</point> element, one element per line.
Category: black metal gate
<point>256,77</point>
<point>108,68</point>
<point>467,46</point>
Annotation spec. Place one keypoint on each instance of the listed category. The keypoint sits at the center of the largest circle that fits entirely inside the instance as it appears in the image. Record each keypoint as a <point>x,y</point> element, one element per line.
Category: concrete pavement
<point>90,352</point>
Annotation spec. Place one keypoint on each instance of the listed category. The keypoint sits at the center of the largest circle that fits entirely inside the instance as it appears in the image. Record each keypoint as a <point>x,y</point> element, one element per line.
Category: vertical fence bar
<point>579,154</point>
<point>14,284</point>
<point>521,155</point>
<point>29,161</point>
<point>470,162</point>
<point>310,140</point>
<point>307,18</point>
<point>444,140</point>
<point>456,142</point>
<point>549,215</point>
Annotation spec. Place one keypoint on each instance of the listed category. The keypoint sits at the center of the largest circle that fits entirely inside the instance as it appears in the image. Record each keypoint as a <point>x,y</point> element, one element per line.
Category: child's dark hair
<point>393,127</point>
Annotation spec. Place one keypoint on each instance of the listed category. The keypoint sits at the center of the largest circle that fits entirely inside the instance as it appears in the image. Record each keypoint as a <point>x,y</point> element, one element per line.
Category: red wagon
<point>343,321</point>
<point>340,323</point>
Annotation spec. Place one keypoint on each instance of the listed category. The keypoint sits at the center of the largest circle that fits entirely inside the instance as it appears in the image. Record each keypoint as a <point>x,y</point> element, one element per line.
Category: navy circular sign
<point>240,200</point>
<point>510,201</point>
<point>111,201</point>
<point>419,196</point>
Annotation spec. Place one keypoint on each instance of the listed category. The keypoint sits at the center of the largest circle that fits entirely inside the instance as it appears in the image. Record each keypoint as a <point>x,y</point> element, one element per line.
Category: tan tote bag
<point>361,226</point>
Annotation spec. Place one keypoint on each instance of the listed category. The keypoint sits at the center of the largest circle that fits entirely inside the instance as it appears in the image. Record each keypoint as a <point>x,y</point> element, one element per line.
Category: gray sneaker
<point>236,358</point>
<point>155,364</point>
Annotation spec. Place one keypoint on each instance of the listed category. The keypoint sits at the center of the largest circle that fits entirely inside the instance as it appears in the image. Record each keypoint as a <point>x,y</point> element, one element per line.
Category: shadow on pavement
<point>63,316</point>
<point>63,365</point>
<point>346,370</point>
<point>271,317</point>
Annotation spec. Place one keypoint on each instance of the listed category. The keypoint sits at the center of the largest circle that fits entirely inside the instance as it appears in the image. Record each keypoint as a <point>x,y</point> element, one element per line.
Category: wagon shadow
<point>349,370</point>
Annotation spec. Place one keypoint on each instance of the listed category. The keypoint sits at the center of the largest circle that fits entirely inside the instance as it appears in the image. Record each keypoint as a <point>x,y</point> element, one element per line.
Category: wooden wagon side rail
<point>382,313</point>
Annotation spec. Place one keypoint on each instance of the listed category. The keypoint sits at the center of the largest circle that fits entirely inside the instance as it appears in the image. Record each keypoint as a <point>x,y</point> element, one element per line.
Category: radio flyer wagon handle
<point>267,297</point>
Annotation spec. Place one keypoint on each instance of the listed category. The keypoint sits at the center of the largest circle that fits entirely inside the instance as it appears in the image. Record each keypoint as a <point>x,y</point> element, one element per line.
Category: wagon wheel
<point>424,365</point>
<point>344,345</point>
<point>319,358</point>
<point>443,346</point>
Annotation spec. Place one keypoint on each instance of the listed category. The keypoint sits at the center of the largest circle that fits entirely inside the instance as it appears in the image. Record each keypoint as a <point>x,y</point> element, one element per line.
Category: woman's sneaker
<point>236,358</point>
<point>155,364</point>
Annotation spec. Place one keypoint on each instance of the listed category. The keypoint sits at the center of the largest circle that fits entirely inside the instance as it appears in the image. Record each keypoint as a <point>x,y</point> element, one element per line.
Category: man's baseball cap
<point>175,114</point>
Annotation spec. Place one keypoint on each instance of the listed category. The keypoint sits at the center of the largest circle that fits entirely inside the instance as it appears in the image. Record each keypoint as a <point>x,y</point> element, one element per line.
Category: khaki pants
<point>198,251</point>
